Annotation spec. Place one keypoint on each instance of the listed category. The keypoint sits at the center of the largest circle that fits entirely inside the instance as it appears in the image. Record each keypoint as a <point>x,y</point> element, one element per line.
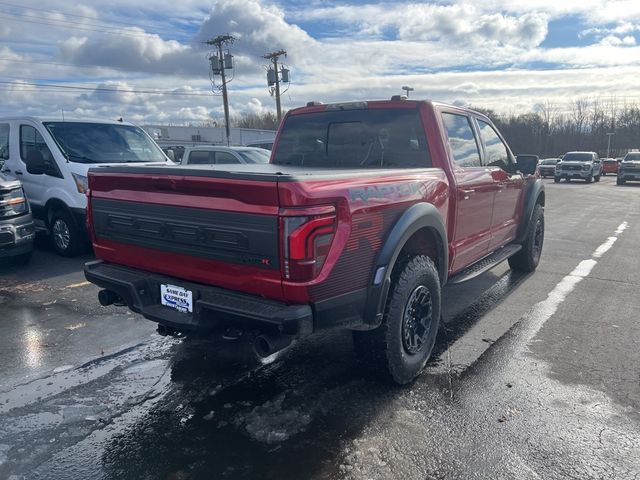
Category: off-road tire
<point>384,350</point>
<point>527,259</point>
<point>62,223</point>
<point>589,179</point>
<point>597,179</point>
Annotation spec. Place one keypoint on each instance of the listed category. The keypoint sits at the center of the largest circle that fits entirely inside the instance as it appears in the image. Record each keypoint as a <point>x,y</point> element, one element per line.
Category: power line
<point>65,24</point>
<point>13,5</point>
<point>71,65</point>
<point>103,89</point>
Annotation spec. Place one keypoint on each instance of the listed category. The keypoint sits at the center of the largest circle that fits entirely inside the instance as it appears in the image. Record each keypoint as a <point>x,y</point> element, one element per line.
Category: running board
<point>485,264</point>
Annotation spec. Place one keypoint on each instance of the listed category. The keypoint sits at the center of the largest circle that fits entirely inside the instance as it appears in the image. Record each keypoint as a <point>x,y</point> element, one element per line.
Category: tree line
<point>584,125</point>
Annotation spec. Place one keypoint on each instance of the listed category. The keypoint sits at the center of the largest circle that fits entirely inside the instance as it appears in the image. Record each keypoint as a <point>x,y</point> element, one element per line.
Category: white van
<point>51,159</point>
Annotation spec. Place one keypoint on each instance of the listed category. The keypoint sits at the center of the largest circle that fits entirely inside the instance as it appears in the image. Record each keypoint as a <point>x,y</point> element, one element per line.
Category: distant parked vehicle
<point>51,158</point>
<point>609,165</point>
<point>581,165</point>
<point>547,167</point>
<point>629,168</point>
<point>16,225</point>
<point>218,154</point>
<point>266,145</point>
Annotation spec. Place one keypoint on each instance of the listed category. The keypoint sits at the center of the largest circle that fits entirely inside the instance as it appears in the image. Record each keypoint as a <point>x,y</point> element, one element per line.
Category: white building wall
<point>178,135</point>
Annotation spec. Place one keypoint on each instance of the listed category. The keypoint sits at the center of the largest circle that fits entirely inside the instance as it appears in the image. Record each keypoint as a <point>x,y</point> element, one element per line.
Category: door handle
<point>18,172</point>
<point>466,193</point>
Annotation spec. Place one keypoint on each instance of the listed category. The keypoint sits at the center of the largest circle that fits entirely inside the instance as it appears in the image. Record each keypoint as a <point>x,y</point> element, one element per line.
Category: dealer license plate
<point>176,297</point>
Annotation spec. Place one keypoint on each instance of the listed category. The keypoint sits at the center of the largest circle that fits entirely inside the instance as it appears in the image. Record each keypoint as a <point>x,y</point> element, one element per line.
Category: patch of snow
<point>272,423</point>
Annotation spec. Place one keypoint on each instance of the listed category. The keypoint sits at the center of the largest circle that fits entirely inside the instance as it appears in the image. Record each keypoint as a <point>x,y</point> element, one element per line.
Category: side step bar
<point>485,264</point>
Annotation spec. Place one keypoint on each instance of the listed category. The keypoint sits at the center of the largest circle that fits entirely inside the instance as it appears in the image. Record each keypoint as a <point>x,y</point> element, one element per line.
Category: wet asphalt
<point>532,377</point>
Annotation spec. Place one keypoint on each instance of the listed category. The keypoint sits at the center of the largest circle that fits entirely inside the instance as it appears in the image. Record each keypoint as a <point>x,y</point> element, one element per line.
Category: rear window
<point>368,138</point>
<point>550,161</point>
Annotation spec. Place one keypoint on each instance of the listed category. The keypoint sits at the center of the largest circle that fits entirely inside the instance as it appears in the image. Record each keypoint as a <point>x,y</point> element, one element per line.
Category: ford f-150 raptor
<point>365,211</point>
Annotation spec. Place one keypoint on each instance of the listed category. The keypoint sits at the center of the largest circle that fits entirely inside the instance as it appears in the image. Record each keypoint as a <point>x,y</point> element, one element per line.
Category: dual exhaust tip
<point>264,345</point>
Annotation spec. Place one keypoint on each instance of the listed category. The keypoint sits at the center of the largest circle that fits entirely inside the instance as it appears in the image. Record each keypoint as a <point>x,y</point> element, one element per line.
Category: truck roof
<point>66,120</point>
<point>312,107</point>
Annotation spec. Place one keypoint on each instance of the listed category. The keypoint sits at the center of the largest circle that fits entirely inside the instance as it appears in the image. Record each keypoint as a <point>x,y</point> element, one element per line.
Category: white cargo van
<point>51,158</point>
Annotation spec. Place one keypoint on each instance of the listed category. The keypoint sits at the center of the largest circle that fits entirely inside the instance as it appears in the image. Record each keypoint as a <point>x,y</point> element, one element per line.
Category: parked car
<point>579,165</point>
<point>51,158</point>
<point>609,165</point>
<point>629,168</point>
<point>365,212</point>
<point>547,167</point>
<point>218,155</point>
<point>16,225</point>
<point>266,145</point>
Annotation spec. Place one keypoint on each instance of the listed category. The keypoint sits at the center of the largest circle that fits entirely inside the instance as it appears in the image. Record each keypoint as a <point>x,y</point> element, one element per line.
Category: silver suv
<point>581,165</point>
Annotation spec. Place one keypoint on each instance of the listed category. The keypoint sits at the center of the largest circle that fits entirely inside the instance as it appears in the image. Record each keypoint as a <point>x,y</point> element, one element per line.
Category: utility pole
<point>219,63</point>
<point>609,135</point>
<point>274,76</point>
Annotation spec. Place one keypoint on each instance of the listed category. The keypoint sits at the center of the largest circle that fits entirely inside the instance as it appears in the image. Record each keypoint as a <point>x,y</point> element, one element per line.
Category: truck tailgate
<point>191,224</point>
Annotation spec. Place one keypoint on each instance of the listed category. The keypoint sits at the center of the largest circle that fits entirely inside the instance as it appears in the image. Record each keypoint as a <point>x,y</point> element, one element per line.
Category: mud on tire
<point>400,347</point>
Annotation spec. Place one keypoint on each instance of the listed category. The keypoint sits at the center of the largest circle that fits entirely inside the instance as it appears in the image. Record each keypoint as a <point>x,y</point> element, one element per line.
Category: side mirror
<point>527,164</point>
<point>36,165</point>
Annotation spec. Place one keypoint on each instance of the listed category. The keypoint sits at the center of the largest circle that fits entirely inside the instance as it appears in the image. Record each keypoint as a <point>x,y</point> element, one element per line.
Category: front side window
<point>462,140</point>
<point>354,138</point>
<point>4,141</point>
<point>31,139</point>
<point>496,151</point>
<point>104,143</point>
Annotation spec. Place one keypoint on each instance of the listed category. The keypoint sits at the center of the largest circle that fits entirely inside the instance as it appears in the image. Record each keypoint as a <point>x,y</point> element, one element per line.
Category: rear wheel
<point>527,259</point>
<point>400,347</point>
<point>65,234</point>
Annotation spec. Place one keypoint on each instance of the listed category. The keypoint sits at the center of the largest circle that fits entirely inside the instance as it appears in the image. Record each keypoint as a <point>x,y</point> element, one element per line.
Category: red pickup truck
<point>365,211</point>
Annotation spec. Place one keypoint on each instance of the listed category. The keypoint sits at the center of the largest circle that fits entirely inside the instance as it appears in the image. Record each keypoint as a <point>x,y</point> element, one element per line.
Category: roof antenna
<point>62,114</point>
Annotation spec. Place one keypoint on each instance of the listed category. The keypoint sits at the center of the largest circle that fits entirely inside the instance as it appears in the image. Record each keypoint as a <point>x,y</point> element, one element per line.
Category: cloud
<point>615,41</point>
<point>457,24</point>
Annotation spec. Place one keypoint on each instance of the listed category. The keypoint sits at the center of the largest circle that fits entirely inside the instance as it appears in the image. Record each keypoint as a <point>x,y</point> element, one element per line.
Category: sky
<point>148,61</point>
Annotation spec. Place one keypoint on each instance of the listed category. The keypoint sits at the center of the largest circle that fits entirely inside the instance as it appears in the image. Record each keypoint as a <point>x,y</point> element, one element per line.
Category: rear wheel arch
<point>419,231</point>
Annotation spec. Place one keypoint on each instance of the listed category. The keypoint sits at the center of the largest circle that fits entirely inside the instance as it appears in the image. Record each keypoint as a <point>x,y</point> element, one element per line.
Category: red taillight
<point>307,239</point>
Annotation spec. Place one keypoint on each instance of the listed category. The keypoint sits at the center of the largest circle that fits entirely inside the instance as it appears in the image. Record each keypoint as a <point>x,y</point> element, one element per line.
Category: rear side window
<point>462,140</point>
<point>495,149</point>
<point>4,141</point>
<point>200,157</point>
<point>225,158</point>
<point>30,139</point>
<point>358,138</point>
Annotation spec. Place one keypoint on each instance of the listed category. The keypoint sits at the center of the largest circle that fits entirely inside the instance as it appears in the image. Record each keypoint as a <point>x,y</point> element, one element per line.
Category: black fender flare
<point>531,199</point>
<point>418,216</point>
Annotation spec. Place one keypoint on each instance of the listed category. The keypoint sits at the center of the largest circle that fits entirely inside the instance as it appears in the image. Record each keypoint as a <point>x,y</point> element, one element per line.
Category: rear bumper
<point>213,308</point>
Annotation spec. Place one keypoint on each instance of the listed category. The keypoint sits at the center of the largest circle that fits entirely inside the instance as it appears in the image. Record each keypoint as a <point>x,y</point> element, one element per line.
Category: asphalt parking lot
<point>533,377</point>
